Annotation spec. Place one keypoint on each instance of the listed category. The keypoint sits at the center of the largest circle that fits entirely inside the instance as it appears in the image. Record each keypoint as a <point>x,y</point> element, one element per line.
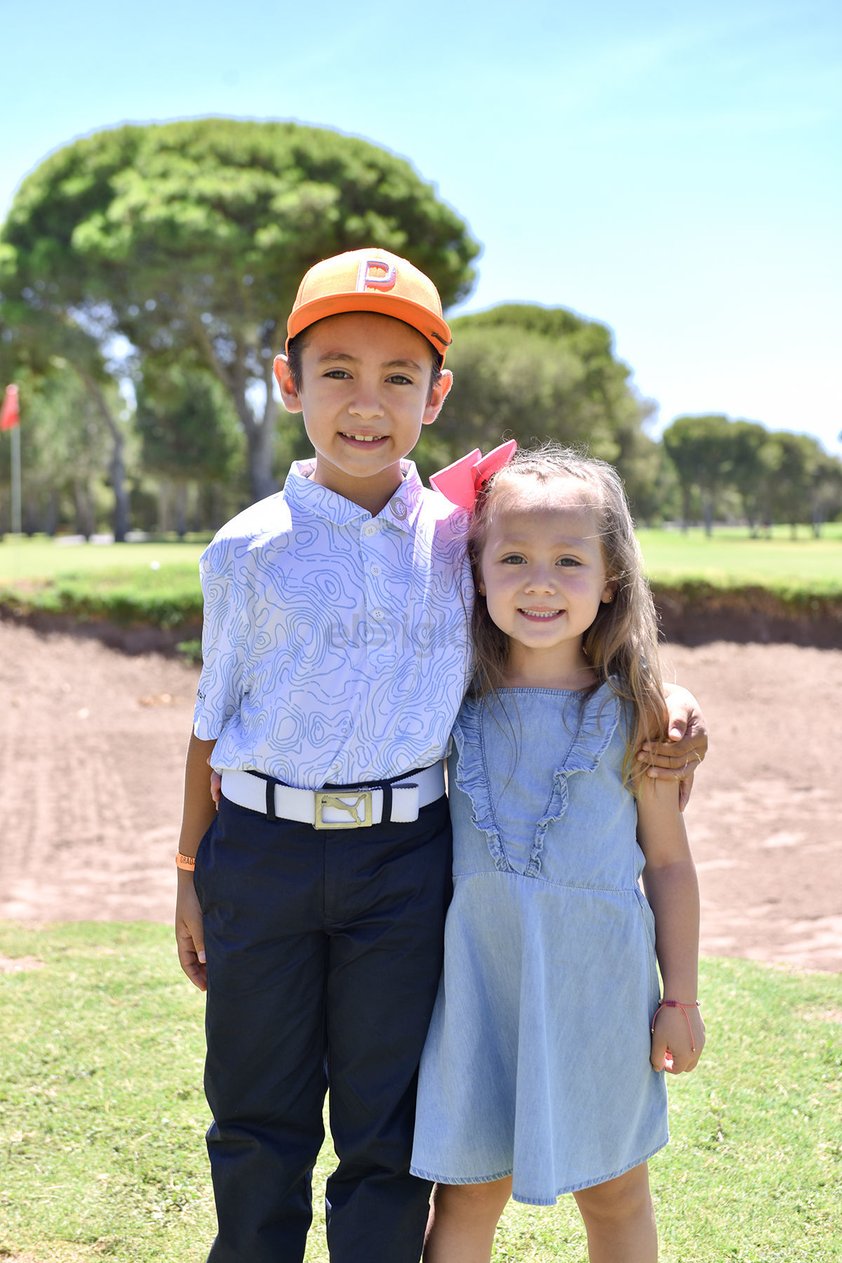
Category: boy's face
<point>364,394</point>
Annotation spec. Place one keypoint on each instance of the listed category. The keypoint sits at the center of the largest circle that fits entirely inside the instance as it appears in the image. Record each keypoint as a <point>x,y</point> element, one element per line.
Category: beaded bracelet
<point>678,1004</point>
<point>185,861</point>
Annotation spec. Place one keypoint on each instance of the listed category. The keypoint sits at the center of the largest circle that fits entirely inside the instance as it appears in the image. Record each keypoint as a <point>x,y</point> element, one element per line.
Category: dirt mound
<point>92,745</point>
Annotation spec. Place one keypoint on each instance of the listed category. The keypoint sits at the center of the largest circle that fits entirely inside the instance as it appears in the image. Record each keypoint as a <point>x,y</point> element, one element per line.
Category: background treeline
<point>145,278</point>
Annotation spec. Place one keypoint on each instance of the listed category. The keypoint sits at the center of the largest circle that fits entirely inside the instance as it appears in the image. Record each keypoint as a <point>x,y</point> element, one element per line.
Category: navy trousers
<point>324,952</point>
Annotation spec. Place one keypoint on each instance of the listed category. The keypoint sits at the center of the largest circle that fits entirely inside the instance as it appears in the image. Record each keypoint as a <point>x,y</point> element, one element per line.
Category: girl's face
<point>541,569</point>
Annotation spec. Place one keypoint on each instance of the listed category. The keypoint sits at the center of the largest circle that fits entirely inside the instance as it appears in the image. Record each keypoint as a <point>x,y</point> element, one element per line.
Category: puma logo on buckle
<point>357,806</point>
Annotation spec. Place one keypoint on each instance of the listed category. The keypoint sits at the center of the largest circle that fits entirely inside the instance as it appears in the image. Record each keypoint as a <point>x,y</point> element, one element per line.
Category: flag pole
<point>10,420</point>
<point>15,454</point>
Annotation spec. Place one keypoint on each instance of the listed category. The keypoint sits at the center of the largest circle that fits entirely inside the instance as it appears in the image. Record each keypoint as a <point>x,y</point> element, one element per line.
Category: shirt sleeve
<point>224,641</point>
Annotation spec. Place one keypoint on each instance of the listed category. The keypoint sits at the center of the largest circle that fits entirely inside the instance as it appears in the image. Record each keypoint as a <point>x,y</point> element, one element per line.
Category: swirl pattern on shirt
<point>335,644</point>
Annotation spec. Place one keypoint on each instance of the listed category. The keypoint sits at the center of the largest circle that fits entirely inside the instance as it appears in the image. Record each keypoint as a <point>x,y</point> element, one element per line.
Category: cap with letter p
<point>370,280</point>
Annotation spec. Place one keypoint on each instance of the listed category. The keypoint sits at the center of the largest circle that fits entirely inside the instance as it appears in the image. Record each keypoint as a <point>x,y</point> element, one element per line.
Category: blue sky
<point>675,174</point>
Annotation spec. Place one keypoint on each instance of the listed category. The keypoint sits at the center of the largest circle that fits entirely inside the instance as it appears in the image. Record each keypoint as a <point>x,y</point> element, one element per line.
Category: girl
<point>541,1072</point>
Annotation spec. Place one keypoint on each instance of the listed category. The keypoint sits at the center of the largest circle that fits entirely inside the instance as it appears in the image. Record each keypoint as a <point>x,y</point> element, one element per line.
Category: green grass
<point>157,583</point>
<point>102,1116</point>
<point>145,584</point>
<point>23,560</point>
<point>730,559</point>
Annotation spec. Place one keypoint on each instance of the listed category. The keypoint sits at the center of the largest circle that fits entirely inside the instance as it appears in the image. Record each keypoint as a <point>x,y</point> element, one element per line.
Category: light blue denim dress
<point>537,1060</point>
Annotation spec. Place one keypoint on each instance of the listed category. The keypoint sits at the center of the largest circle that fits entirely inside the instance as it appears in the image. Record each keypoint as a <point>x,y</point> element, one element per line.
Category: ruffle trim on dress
<point>596,725</point>
<point>471,778</point>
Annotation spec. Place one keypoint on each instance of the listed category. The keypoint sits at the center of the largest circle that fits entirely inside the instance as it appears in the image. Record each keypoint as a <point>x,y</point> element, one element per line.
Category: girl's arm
<point>669,880</point>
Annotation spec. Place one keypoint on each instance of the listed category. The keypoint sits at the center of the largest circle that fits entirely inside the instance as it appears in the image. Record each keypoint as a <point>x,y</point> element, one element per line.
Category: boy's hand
<point>189,932</point>
<point>216,787</point>
<point>673,1040</point>
<point>678,758</point>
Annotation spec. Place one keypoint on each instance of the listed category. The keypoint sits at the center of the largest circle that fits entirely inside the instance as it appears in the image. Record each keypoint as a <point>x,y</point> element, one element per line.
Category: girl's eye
<point>513,559</point>
<point>568,561</point>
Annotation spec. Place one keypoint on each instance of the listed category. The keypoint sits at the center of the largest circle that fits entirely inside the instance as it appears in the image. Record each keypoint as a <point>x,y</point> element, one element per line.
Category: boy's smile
<point>364,394</point>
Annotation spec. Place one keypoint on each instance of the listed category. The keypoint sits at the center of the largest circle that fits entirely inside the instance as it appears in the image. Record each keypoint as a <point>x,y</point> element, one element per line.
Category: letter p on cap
<point>385,280</point>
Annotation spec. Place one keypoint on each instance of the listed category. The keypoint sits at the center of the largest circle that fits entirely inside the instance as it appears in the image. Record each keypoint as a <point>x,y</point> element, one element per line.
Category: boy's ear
<point>437,396</point>
<point>286,384</point>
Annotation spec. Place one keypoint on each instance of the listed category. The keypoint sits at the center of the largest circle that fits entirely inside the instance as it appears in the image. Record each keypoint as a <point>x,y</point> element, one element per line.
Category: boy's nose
<point>366,405</point>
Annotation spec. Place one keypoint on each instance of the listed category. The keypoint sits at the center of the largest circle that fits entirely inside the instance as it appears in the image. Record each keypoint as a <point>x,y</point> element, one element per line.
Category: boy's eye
<point>399,379</point>
<point>340,374</point>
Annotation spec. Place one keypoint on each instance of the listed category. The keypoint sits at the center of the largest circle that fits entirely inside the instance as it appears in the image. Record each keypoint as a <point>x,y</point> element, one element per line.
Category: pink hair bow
<point>462,481</point>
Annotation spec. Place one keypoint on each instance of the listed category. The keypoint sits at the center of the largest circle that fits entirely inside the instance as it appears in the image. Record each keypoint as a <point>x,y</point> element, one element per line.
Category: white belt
<point>336,808</point>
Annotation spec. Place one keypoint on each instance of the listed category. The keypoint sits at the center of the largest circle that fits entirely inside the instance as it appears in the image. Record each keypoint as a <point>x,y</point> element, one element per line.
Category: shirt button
<point>377,614</point>
<point>370,529</point>
<point>375,569</point>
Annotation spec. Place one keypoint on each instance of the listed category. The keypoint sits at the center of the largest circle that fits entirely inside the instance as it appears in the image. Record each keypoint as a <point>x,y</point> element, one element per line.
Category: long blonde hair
<point>622,642</point>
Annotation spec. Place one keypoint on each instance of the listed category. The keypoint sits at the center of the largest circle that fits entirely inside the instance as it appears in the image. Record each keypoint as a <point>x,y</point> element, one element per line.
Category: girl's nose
<point>541,581</point>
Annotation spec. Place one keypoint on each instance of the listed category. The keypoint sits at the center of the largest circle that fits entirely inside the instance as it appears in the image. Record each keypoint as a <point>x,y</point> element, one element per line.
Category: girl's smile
<point>543,576</point>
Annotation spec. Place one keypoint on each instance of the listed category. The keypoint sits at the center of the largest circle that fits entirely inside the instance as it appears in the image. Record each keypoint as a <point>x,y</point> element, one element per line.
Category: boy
<point>335,658</point>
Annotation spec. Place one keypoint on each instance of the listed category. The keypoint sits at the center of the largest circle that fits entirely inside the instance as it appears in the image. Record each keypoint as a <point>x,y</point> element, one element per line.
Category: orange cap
<point>370,280</point>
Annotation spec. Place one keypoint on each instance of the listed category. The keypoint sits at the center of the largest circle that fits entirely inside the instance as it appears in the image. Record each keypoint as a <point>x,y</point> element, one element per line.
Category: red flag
<point>10,412</point>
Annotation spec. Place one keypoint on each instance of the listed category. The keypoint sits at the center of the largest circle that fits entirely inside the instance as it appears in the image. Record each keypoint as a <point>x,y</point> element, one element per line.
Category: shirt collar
<point>401,511</point>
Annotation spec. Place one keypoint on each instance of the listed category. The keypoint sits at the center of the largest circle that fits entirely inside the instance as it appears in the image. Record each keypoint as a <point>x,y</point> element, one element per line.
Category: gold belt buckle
<point>354,803</point>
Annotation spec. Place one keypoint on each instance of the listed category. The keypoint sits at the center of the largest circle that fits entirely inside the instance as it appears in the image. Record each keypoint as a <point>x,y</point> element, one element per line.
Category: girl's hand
<point>216,787</point>
<point>677,1041</point>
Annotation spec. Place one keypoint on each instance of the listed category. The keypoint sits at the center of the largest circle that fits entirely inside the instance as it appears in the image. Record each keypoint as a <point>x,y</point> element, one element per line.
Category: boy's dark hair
<point>296,346</point>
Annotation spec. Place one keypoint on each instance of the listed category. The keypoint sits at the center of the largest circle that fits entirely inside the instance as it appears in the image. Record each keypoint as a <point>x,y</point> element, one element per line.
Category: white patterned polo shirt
<point>335,644</point>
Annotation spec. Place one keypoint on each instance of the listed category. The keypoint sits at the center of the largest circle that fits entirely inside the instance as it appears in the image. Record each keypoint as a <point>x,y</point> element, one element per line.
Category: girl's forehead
<point>563,495</point>
<point>550,525</point>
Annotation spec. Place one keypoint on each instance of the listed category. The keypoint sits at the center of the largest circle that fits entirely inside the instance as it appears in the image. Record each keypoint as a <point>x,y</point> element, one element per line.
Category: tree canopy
<point>189,240</point>
<point>701,448</point>
<point>146,273</point>
<point>778,476</point>
<point>541,372</point>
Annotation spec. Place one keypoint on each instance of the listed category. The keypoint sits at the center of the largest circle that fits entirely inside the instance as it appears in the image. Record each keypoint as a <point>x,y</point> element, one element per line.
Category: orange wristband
<point>185,861</point>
